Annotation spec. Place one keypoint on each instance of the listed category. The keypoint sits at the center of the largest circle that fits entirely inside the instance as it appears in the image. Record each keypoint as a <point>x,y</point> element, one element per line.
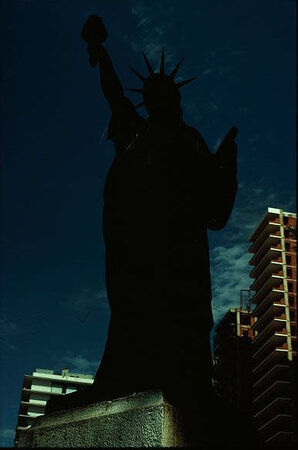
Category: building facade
<point>255,347</point>
<point>39,387</point>
<point>274,344</point>
<point>232,358</point>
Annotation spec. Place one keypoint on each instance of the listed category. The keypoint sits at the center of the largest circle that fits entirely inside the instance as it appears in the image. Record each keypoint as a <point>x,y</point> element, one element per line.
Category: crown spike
<point>137,73</point>
<point>182,83</point>
<point>174,71</point>
<point>162,61</point>
<point>149,67</point>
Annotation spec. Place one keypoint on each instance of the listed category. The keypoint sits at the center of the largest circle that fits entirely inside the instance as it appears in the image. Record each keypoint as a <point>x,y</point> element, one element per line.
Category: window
<point>245,319</point>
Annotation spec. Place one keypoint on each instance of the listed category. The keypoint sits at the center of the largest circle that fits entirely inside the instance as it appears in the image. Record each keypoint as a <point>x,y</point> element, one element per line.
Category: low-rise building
<point>39,387</point>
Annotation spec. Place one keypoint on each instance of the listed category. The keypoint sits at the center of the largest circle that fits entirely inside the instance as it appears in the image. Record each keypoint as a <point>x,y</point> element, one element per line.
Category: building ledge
<point>270,284</point>
<point>274,296</point>
<point>274,371</point>
<point>273,404</point>
<point>277,418</point>
<point>277,353</point>
<point>275,338</point>
<point>275,324</point>
<point>270,228</point>
<point>281,437</point>
<point>270,389</point>
<point>275,309</point>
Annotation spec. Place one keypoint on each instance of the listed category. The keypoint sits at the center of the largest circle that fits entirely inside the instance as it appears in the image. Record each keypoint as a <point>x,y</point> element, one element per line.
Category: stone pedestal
<point>139,420</point>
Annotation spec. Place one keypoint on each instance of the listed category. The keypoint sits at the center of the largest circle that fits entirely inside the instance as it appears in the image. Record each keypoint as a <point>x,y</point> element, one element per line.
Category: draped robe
<point>163,191</point>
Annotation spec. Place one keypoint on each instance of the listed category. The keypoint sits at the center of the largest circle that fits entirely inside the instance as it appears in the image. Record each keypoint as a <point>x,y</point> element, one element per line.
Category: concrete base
<point>139,420</point>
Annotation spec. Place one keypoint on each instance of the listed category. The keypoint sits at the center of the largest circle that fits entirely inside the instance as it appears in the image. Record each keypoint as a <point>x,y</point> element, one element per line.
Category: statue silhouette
<point>163,191</point>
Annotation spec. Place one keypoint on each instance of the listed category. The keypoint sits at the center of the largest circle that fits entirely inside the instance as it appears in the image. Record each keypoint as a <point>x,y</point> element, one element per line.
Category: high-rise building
<point>274,345</point>
<point>255,347</point>
<point>232,357</point>
<point>39,387</point>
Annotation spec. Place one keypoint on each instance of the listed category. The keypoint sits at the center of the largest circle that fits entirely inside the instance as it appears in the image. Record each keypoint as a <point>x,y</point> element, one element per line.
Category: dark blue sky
<point>54,311</point>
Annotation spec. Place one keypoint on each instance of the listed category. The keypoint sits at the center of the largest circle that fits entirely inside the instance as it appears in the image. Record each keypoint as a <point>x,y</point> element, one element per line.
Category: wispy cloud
<point>151,31</point>
<point>230,262</point>
<point>6,437</point>
<point>252,203</point>
<point>88,298</point>
<point>7,327</point>
<point>8,330</point>
<point>88,301</point>
<point>229,270</point>
<point>78,363</point>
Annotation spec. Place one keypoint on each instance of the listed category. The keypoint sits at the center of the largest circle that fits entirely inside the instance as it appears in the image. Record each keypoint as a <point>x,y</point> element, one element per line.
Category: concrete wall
<point>140,420</point>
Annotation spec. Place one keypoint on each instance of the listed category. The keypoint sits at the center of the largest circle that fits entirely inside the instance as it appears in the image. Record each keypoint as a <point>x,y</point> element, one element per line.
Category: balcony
<point>270,228</point>
<point>274,325</point>
<point>276,340</point>
<point>275,311</point>
<point>270,243</point>
<point>278,405</point>
<point>38,391</point>
<point>274,282</point>
<point>272,297</point>
<point>272,254</point>
<point>278,372</point>
<point>272,268</point>
<point>281,422</point>
<point>276,389</point>
<point>281,438</point>
<point>271,215</point>
<point>278,355</point>
<point>40,403</point>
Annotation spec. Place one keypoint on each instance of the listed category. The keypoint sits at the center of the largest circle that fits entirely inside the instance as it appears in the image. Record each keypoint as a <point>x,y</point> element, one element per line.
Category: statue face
<point>161,95</point>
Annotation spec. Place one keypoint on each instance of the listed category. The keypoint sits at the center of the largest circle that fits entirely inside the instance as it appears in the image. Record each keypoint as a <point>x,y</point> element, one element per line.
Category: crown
<point>161,75</point>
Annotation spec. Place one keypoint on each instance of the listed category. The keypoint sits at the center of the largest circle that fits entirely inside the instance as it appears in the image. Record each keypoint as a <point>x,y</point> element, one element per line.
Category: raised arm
<point>94,33</point>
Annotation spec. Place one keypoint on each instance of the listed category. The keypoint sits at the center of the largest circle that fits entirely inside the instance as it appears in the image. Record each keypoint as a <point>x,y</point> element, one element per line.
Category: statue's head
<point>160,92</point>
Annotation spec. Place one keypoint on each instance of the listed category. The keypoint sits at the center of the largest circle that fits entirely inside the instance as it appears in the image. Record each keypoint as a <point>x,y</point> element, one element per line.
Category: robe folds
<point>163,191</point>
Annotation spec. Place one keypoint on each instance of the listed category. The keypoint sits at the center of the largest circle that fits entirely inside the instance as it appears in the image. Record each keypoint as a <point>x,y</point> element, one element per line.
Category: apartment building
<point>39,387</point>
<point>232,358</point>
<point>274,344</point>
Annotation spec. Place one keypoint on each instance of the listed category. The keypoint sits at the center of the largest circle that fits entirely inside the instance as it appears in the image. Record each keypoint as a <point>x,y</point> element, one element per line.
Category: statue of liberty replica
<point>163,191</point>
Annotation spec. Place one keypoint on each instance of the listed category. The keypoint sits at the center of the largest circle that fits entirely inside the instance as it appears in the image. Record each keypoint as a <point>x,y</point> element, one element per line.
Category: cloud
<point>152,31</point>
<point>230,262</point>
<point>251,204</point>
<point>88,298</point>
<point>7,327</point>
<point>6,437</point>
<point>8,330</point>
<point>230,274</point>
<point>78,363</point>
